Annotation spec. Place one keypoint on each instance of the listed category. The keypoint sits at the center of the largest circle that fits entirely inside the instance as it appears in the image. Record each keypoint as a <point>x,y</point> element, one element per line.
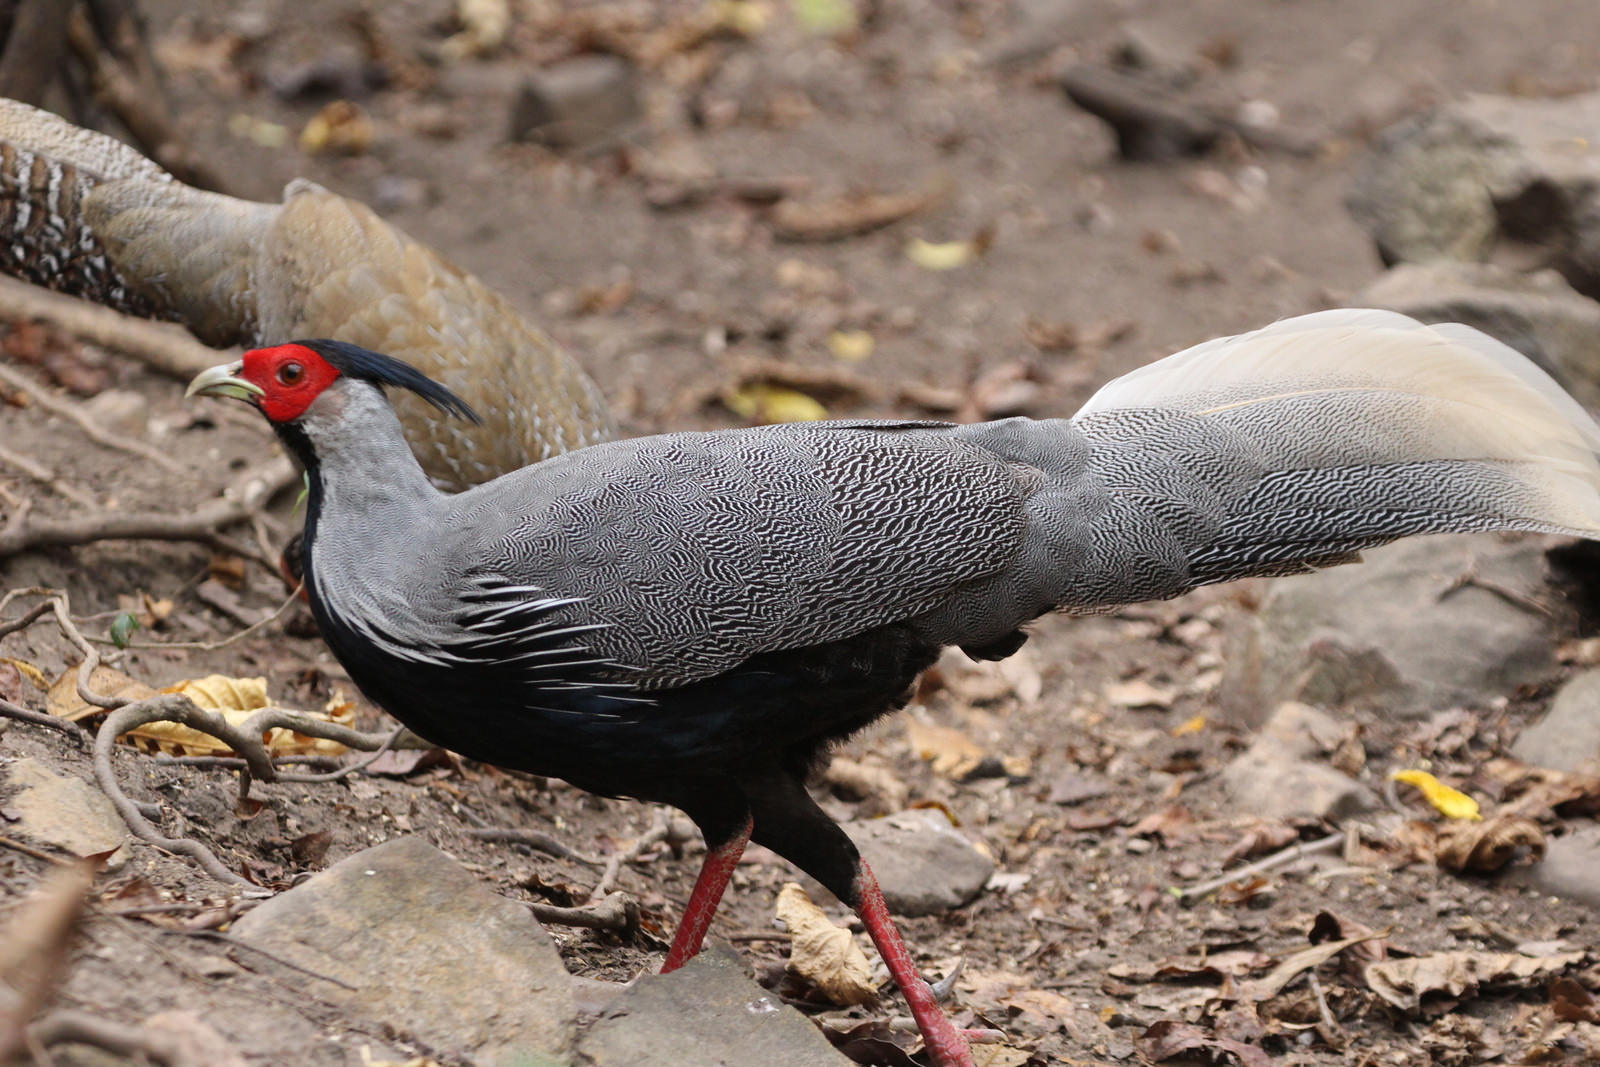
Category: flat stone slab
<point>1281,775</point>
<point>430,951</point>
<point>67,812</point>
<point>709,1014</point>
<point>1406,632</point>
<point>923,864</point>
<point>1570,868</point>
<point>1568,737</point>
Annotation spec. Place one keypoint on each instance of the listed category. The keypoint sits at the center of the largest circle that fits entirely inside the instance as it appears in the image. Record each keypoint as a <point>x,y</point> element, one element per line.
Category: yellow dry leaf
<point>943,255</point>
<point>236,699</point>
<point>761,402</point>
<point>826,18</point>
<point>852,346</point>
<point>1451,803</point>
<point>484,26</point>
<point>63,701</point>
<point>823,954</point>
<point>219,692</point>
<point>953,753</point>
<point>340,128</point>
<point>264,133</point>
<point>1189,726</point>
<point>30,672</point>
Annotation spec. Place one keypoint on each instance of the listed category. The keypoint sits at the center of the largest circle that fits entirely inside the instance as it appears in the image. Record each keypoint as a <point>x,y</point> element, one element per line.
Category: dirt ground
<point>1138,259</point>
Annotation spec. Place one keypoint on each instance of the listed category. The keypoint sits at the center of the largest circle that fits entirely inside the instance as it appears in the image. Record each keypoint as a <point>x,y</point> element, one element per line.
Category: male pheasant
<point>695,618</point>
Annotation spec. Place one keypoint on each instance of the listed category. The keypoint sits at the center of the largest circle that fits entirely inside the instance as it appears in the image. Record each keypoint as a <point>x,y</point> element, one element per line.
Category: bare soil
<point>1139,260</point>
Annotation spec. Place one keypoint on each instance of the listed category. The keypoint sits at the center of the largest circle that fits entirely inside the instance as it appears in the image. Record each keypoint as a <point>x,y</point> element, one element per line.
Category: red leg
<point>714,874</point>
<point>945,1043</point>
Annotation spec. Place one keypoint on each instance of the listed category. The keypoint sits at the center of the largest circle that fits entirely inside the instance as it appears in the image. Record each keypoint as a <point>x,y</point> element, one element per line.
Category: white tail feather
<point>1359,387</point>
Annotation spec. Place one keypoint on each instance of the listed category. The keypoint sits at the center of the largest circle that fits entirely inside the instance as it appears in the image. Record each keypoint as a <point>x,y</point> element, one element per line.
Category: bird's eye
<point>290,373</point>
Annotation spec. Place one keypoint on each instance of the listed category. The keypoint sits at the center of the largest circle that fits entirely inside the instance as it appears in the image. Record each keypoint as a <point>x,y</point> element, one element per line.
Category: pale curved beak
<point>223,381</point>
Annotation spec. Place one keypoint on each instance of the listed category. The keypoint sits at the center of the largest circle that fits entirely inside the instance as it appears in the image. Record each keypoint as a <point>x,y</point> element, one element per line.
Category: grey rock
<point>584,100</point>
<point>1569,734</point>
<point>709,1014</point>
<point>1486,174</point>
<point>1424,193</point>
<point>1570,868</point>
<point>923,864</point>
<point>1403,632</point>
<point>66,812</point>
<point>119,411</point>
<point>429,951</point>
<point>1538,314</point>
<point>1280,777</point>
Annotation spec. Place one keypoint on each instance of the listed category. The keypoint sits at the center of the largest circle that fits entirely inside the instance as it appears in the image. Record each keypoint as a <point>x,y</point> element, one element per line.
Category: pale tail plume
<point>1300,445</point>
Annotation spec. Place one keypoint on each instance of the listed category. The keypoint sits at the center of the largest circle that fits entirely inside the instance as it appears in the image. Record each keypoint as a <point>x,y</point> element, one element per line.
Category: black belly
<point>788,705</point>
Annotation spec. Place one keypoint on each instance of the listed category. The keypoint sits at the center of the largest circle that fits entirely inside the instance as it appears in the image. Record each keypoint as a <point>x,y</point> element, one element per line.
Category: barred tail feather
<point>1361,427</point>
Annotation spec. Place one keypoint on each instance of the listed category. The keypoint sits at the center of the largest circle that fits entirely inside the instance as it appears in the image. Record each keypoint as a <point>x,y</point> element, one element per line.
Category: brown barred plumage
<point>87,215</point>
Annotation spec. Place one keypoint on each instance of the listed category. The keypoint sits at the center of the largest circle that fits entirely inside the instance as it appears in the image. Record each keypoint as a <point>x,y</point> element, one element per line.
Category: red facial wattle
<point>290,378</point>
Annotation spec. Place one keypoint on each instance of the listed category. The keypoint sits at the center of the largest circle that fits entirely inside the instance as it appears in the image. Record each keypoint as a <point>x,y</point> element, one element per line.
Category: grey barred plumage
<point>694,617</point>
<point>695,551</point>
<point>87,215</point>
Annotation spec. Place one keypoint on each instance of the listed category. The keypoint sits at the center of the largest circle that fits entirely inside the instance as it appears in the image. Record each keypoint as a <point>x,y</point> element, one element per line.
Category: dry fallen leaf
<point>823,954</point>
<point>831,220</point>
<point>1571,1003</point>
<point>1485,847</point>
<point>220,692</point>
<point>943,255</point>
<point>35,947</point>
<point>1169,1038</point>
<point>484,26</point>
<point>235,699</point>
<point>852,346</point>
<point>64,702</point>
<point>763,403</point>
<point>1271,984</point>
<point>1139,693</point>
<point>1260,836</point>
<point>1404,983</point>
<point>1451,803</point>
<point>861,780</point>
<point>340,128</point>
<point>953,753</point>
<point>1540,793</point>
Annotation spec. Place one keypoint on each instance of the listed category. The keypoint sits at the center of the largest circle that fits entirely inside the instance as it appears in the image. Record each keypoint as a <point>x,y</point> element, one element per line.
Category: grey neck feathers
<point>367,490</point>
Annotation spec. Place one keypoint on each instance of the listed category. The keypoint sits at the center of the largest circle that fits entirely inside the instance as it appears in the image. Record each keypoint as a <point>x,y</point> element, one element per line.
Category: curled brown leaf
<point>1486,847</point>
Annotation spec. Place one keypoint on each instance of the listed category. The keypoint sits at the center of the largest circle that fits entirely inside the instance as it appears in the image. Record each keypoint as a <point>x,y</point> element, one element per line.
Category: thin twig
<point>212,646</point>
<point>45,719</point>
<point>1277,859</point>
<point>618,911</point>
<point>244,739</point>
<point>247,495</point>
<point>160,346</point>
<point>28,850</point>
<point>40,473</point>
<point>660,827</point>
<point>349,768</point>
<point>535,839</point>
<point>90,428</point>
<point>1322,1004</point>
<point>169,708</point>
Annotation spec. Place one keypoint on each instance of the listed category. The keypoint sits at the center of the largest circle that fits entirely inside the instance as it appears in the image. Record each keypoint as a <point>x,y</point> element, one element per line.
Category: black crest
<point>357,362</point>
